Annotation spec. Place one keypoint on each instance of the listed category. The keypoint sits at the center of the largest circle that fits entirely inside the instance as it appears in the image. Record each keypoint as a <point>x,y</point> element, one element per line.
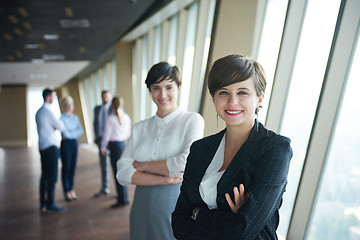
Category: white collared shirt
<point>158,138</point>
<point>208,185</point>
<point>46,124</point>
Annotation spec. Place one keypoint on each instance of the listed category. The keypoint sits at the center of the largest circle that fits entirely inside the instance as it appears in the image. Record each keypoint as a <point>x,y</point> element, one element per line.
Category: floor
<point>87,218</point>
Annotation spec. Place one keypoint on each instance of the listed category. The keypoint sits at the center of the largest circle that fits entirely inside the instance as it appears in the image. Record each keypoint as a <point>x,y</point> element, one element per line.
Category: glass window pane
<point>188,55</point>
<point>144,70</point>
<point>89,95</point>
<point>105,78</point>
<point>270,44</point>
<point>113,76</point>
<point>306,82</point>
<point>157,44</point>
<point>336,214</point>
<point>173,32</point>
<point>157,50</point>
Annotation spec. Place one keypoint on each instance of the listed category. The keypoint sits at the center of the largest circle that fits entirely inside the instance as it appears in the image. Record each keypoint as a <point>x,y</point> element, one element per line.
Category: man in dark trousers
<point>101,113</point>
<point>47,124</point>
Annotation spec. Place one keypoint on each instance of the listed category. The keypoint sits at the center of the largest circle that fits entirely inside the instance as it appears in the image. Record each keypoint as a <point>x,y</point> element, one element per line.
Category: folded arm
<point>148,179</point>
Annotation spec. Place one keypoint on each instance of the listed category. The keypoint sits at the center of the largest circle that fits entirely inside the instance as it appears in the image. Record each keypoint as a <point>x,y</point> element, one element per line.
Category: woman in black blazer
<point>234,180</point>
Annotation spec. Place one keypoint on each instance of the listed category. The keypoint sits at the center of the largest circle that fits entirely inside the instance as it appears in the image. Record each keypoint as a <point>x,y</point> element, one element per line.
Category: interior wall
<point>13,120</point>
<point>123,58</point>
<point>233,33</point>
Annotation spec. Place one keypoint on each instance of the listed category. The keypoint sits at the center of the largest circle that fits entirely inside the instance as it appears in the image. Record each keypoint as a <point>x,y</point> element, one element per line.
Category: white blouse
<point>208,185</point>
<point>114,131</point>
<point>158,138</point>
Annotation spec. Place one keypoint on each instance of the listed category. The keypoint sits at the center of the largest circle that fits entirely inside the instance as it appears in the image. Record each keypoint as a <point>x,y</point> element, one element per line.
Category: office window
<point>105,78</point>
<point>87,110</point>
<point>156,59</point>
<point>173,39</point>
<point>113,76</point>
<point>97,87</point>
<point>189,50</point>
<point>142,85</point>
<point>89,94</point>
<point>306,81</point>
<point>336,213</point>
<point>157,44</point>
<point>173,35</point>
<point>269,45</point>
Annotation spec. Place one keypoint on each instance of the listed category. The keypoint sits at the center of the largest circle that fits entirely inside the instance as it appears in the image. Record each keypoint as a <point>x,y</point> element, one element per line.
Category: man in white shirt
<point>47,124</point>
<point>101,112</point>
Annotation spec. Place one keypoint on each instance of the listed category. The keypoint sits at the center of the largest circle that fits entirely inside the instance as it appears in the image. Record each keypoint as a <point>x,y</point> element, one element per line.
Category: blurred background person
<point>117,131</point>
<point>155,156</point>
<point>101,113</point>
<point>47,124</point>
<point>69,146</point>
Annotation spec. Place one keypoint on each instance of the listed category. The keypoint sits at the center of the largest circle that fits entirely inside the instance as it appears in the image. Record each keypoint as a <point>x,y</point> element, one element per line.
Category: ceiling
<point>47,42</point>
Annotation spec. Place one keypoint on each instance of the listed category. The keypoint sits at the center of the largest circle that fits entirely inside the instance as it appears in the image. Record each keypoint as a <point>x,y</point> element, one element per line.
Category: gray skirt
<point>150,216</point>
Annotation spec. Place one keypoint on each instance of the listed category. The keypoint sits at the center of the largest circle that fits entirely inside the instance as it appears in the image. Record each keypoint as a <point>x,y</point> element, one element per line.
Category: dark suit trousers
<point>69,151</point>
<point>116,149</point>
<point>49,168</point>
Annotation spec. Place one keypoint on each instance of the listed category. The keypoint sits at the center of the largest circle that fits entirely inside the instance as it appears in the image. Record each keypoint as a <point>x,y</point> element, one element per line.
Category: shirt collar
<point>47,105</point>
<point>168,118</point>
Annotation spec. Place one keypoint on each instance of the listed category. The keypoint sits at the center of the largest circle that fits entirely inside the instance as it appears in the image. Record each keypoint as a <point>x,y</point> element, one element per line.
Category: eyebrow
<point>244,88</point>
<point>158,84</point>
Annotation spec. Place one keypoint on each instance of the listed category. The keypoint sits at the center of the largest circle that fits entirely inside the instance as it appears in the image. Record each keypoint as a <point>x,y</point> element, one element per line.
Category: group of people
<point>71,129</point>
<point>225,186</point>
<point>112,129</point>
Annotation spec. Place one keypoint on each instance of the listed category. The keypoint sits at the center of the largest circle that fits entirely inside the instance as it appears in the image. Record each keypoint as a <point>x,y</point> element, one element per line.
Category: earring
<point>257,119</point>
<point>217,120</point>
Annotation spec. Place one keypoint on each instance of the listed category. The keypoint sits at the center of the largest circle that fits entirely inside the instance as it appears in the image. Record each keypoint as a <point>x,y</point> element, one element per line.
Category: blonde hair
<point>66,101</point>
<point>116,103</point>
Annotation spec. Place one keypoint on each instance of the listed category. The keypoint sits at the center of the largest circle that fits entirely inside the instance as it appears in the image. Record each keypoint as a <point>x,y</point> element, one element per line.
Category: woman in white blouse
<point>117,131</point>
<point>155,156</point>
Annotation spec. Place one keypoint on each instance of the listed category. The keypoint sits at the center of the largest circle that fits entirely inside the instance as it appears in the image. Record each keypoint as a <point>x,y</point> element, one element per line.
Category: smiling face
<point>236,103</point>
<point>68,107</point>
<point>165,95</point>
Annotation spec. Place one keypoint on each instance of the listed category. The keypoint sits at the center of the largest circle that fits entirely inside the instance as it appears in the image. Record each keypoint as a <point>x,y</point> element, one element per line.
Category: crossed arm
<point>152,173</point>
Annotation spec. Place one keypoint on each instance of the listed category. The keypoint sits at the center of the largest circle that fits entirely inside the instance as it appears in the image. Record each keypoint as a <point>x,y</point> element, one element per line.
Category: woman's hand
<point>172,180</point>
<point>240,198</point>
<point>138,165</point>
<point>104,153</point>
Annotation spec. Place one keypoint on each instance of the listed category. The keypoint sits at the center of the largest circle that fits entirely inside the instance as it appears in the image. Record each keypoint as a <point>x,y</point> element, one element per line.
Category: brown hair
<point>116,103</point>
<point>236,68</point>
<point>46,92</point>
<point>162,71</point>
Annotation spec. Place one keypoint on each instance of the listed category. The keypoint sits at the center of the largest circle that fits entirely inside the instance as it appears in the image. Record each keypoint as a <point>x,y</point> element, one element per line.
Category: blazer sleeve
<point>266,190</point>
<point>96,121</point>
<point>181,221</point>
<point>109,127</point>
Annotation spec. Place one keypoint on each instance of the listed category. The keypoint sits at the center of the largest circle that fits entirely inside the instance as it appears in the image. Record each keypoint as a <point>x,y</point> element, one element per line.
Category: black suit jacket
<point>261,164</point>
<point>96,124</point>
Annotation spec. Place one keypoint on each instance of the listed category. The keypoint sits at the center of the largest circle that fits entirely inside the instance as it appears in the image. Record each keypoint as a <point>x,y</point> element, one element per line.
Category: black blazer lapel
<point>204,157</point>
<point>240,159</point>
